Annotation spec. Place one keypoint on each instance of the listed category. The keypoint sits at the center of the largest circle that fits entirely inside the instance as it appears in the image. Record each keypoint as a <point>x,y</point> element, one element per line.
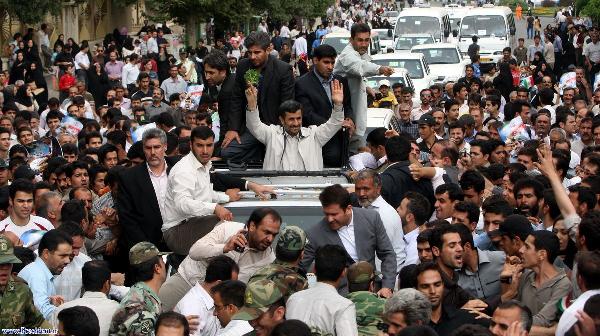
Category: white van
<point>434,21</point>
<point>456,12</point>
<point>495,27</point>
<point>339,40</point>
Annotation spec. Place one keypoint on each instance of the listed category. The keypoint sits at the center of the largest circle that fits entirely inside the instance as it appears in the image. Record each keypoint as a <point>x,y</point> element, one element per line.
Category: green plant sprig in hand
<point>251,76</point>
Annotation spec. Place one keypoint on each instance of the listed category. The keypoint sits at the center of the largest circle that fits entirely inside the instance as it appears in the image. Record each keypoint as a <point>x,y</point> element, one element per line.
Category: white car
<point>406,41</point>
<point>415,64</point>
<point>378,117</point>
<point>386,39</point>
<point>399,76</point>
<point>445,61</point>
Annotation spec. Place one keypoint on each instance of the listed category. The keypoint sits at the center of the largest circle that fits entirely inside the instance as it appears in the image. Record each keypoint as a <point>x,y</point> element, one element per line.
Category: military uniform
<point>369,311</point>
<point>369,307</point>
<point>140,308</point>
<point>16,301</point>
<point>287,276</point>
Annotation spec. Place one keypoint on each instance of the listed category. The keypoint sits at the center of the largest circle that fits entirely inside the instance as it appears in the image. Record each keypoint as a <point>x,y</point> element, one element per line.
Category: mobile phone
<point>241,249</point>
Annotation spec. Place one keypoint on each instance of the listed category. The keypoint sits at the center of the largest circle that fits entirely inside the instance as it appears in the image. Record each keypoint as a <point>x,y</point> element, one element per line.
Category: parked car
<point>445,61</point>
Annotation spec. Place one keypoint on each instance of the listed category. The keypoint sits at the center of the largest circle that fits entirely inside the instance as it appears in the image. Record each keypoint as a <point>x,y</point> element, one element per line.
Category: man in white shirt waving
<point>290,146</point>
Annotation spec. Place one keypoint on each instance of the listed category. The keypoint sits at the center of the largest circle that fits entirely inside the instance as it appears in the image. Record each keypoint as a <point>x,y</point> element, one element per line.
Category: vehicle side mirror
<point>390,33</point>
<point>513,31</point>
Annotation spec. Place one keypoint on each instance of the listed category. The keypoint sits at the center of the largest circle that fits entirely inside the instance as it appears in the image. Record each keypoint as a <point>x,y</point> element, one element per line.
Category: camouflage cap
<point>143,251</point>
<point>7,252</point>
<point>259,296</point>
<point>292,238</point>
<point>360,272</point>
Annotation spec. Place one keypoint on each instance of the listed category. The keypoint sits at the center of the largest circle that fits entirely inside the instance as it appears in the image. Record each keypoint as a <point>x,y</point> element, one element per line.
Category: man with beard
<point>529,197</point>
<point>367,187</point>
<point>447,249</point>
<point>54,252</point>
<point>231,239</point>
<point>444,318</point>
<point>275,84</point>
<point>158,106</point>
<point>456,132</point>
<point>440,123</point>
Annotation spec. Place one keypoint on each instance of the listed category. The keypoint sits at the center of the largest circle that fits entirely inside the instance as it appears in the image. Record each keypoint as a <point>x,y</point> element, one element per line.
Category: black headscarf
<point>22,97</point>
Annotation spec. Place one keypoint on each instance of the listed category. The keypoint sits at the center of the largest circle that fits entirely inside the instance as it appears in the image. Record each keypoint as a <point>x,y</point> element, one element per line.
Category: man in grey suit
<point>359,231</point>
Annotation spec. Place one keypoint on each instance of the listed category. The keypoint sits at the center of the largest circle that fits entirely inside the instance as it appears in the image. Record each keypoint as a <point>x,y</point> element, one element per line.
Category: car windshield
<point>373,82</point>
<point>413,66</point>
<point>440,55</point>
<point>383,34</point>
<point>418,25</point>
<point>407,42</point>
<point>337,42</point>
<point>454,23</point>
<point>482,26</point>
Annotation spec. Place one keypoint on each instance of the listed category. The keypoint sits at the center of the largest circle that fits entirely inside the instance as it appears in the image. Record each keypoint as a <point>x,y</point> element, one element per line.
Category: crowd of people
<point>475,212</point>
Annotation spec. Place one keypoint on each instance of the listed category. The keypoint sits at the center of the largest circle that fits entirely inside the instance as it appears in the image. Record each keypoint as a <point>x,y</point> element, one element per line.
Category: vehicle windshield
<point>418,25</point>
<point>440,55</point>
<point>483,26</point>
<point>337,42</point>
<point>373,82</point>
<point>413,66</point>
<point>407,42</point>
<point>455,23</point>
<point>383,35</point>
<point>303,216</point>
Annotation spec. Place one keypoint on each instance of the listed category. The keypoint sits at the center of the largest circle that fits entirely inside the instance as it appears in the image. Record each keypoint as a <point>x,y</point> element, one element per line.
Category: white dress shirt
<point>97,301</point>
<point>130,74</point>
<point>412,255</point>
<point>152,45</point>
<point>199,302</point>
<point>300,46</point>
<point>393,227</point>
<point>159,183</point>
<point>322,307</point>
<point>83,59</point>
<point>189,192</point>
<point>68,284</point>
<point>236,328</point>
<point>346,234</point>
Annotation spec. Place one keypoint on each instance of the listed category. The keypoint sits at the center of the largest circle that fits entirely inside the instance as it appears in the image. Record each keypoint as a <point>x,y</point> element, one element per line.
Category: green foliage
<point>590,8</point>
<point>252,76</point>
<point>513,4</point>
<point>31,12</point>
<point>123,3</point>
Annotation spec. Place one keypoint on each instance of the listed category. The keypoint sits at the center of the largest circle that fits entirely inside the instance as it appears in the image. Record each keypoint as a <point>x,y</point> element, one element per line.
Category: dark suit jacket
<point>223,97</point>
<point>276,86</point>
<point>396,180</point>
<point>317,108</point>
<point>137,205</point>
<point>370,238</point>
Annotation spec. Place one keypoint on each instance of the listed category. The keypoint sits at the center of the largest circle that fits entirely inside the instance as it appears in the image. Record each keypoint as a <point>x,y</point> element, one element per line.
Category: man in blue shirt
<point>54,251</point>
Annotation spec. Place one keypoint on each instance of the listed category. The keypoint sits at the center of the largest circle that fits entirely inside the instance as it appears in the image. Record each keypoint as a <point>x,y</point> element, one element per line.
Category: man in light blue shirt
<point>54,251</point>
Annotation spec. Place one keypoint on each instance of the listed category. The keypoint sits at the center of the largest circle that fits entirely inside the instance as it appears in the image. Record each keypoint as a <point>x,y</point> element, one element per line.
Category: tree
<point>590,8</point>
<point>31,12</point>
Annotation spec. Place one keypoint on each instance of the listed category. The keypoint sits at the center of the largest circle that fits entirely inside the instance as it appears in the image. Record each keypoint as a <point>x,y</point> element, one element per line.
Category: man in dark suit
<point>140,194</point>
<point>275,85</point>
<point>359,231</point>
<point>396,179</point>
<point>313,91</point>
<point>219,89</point>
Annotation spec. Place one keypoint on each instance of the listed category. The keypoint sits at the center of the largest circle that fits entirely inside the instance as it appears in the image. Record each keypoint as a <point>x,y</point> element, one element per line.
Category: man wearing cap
<point>386,98</point>
<point>369,307</point>
<point>16,301</point>
<point>264,307</point>
<point>427,135</point>
<point>139,309</point>
<point>284,271</point>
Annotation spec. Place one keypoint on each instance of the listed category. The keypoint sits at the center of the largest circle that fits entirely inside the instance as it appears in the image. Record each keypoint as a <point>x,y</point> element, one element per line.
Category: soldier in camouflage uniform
<point>16,301</point>
<point>284,270</point>
<point>264,307</point>
<point>139,309</point>
<point>369,307</point>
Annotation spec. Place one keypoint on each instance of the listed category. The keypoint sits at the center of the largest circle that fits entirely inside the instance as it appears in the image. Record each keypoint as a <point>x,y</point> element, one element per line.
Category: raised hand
<point>252,97</point>
<point>337,92</point>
